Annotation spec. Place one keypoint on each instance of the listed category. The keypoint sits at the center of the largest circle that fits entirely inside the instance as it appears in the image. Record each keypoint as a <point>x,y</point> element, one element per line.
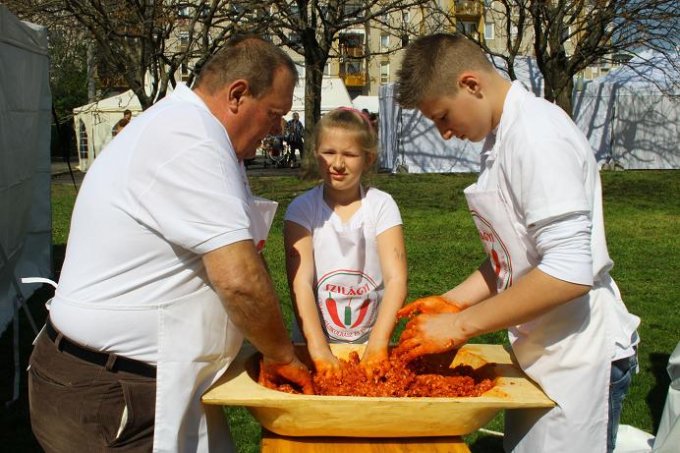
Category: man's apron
<point>349,284</point>
<point>186,368</point>
<point>565,351</point>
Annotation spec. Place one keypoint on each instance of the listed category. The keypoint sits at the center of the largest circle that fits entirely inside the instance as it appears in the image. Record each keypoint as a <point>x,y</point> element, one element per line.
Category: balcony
<point>468,8</point>
<point>351,52</point>
<point>353,80</point>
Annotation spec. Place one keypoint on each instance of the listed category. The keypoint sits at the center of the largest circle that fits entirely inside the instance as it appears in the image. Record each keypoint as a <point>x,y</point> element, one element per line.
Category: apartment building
<point>369,55</point>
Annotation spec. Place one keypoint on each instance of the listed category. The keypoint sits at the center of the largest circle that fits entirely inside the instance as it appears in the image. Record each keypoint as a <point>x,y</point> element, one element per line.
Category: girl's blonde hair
<point>354,121</point>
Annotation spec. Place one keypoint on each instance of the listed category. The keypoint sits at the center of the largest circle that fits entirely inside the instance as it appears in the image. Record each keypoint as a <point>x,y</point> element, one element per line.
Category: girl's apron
<point>565,351</point>
<point>349,278</point>
<point>186,368</point>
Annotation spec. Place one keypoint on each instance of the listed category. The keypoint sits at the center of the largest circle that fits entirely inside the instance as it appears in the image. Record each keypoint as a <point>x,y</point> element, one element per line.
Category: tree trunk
<point>314,65</point>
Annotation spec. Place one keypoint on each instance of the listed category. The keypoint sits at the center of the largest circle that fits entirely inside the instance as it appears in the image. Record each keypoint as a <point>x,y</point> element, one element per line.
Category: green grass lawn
<point>642,214</point>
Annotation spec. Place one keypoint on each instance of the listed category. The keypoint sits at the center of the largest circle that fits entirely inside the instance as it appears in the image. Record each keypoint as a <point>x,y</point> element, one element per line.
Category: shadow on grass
<point>487,444</point>
<point>656,398</point>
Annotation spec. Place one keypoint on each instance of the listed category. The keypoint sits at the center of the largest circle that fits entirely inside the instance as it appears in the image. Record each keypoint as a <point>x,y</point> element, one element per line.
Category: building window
<point>354,10</point>
<point>467,28</point>
<point>384,72</point>
<point>184,12</point>
<point>566,33</point>
<point>489,30</point>
<point>184,40</point>
<point>384,41</point>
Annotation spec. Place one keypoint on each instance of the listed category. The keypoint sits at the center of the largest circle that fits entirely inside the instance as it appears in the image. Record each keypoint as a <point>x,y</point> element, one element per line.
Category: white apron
<point>187,368</point>
<point>568,367</point>
<point>349,285</point>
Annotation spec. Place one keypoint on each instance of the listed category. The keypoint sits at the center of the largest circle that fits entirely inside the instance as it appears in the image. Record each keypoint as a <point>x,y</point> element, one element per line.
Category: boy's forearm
<point>479,286</point>
<point>531,296</point>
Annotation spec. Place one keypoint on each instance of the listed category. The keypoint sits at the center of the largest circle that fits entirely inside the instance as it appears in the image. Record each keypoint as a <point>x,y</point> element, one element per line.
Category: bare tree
<point>148,42</point>
<point>568,36</point>
<point>144,45</point>
<point>311,28</point>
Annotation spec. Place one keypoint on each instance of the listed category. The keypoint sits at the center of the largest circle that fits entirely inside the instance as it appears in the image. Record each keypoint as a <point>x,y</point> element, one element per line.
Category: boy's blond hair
<point>432,64</point>
<point>351,120</point>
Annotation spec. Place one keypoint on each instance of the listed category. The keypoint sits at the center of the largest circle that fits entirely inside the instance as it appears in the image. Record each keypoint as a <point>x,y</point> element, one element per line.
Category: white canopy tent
<point>94,123</point>
<point>333,95</point>
<point>370,103</point>
<point>411,143</point>
<point>26,223</point>
<point>631,117</point>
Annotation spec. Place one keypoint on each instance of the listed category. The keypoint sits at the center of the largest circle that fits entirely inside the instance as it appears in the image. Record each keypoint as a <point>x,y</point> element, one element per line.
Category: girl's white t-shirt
<point>348,277</point>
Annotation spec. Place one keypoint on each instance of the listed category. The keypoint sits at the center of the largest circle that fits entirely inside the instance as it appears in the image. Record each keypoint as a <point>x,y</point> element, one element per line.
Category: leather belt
<point>111,362</point>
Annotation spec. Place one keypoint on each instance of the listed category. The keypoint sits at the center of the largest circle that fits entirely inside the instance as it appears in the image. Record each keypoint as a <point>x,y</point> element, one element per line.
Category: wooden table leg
<point>274,443</point>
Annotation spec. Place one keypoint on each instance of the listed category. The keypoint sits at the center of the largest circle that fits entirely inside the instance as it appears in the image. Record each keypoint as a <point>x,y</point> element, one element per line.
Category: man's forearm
<point>239,276</point>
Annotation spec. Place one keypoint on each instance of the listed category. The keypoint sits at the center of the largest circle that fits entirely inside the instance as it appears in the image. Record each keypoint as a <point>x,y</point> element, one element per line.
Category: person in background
<point>538,207</point>
<point>127,116</point>
<point>345,253</point>
<point>162,278</point>
<point>295,132</point>
<point>374,122</point>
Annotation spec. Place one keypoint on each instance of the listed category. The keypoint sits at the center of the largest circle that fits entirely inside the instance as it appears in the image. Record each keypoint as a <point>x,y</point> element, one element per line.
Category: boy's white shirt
<point>539,167</point>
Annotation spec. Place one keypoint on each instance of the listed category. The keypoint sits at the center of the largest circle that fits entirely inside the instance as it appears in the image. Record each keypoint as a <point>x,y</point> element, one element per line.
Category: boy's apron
<point>349,278</point>
<point>197,342</point>
<point>565,350</point>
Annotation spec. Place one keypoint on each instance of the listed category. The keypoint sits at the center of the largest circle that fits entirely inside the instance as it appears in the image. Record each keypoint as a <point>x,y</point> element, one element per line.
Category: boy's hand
<point>429,334</point>
<point>428,305</point>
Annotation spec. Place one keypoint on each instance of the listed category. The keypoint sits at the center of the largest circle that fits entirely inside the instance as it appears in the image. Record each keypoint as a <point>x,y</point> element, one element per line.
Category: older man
<point>162,278</point>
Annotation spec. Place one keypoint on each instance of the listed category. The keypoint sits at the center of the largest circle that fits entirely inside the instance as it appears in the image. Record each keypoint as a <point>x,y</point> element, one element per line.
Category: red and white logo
<point>348,302</point>
<point>496,250</point>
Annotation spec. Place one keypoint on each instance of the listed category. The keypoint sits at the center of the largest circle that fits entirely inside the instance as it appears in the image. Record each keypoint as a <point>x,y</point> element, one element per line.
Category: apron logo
<point>496,250</point>
<point>346,297</point>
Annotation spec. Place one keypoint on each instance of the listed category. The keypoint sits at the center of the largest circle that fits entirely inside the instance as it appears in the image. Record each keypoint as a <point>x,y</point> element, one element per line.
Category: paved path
<point>62,175</point>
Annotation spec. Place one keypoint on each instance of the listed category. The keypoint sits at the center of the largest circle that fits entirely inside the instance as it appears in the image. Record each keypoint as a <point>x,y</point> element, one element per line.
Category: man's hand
<point>293,371</point>
<point>428,305</point>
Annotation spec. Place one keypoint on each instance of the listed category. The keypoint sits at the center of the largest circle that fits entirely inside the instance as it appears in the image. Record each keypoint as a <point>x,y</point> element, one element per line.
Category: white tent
<point>410,142</point>
<point>94,123</point>
<point>25,223</point>
<point>370,103</point>
<point>333,95</point>
<point>632,115</point>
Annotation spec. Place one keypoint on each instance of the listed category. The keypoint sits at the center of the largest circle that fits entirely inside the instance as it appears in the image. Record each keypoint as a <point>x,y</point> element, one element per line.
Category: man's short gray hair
<point>247,57</point>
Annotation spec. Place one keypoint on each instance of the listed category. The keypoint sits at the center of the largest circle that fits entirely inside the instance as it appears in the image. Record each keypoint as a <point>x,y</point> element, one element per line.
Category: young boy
<point>538,207</point>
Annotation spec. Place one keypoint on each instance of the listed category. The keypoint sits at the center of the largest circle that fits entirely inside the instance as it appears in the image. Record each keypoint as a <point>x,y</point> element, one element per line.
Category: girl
<point>345,254</point>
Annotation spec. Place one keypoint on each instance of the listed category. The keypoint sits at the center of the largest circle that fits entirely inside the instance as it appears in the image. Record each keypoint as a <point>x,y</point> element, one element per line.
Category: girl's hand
<point>428,305</point>
<point>374,362</point>
<point>293,371</point>
<point>429,334</point>
<point>326,363</point>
